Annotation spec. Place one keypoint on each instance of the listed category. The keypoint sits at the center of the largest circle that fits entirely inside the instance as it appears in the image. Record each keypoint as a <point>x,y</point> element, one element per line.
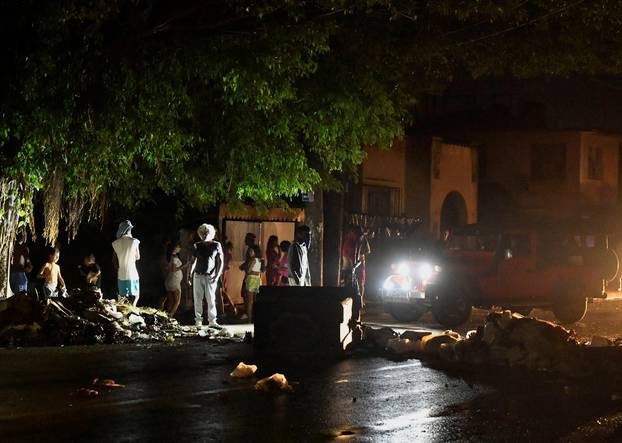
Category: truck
<point>518,268</point>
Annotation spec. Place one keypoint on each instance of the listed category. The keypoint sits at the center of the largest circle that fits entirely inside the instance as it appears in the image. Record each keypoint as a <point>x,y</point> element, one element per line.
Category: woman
<point>273,255</point>
<point>252,279</point>
<point>282,264</point>
<point>172,283</point>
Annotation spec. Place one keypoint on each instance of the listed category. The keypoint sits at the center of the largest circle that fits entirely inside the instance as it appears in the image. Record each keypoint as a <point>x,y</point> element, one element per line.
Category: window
<point>595,166</point>
<point>381,200</point>
<point>548,162</point>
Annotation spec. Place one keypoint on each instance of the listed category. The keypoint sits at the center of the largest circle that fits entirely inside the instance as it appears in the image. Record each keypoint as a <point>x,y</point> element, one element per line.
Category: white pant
<point>202,287</point>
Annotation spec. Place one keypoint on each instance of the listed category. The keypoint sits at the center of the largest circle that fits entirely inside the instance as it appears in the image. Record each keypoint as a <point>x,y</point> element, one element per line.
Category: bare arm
<point>221,261</point>
<point>43,272</point>
<point>60,279</point>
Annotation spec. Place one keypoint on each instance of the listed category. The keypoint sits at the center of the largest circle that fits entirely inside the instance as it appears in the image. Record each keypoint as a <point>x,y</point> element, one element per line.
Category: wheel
<point>570,304</point>
<point>407,313</point>
<point>451,304</point>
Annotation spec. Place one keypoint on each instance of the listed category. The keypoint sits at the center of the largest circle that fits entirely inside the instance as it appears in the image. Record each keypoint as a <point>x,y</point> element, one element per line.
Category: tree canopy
<point>229,100</point>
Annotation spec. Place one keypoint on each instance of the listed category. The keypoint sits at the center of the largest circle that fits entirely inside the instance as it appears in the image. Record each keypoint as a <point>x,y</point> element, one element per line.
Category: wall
<point>455,167</point>
<point>508,163</point>
<point>386,168</point>
<point>604,192</point>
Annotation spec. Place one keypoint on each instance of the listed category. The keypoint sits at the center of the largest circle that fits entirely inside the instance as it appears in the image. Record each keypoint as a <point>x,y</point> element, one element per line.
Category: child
<point>50,273</point>
<point>252,279</point>
<point>90,273</point>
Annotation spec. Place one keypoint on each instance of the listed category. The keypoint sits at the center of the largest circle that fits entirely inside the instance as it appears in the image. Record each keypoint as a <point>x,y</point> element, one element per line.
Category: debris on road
<point>505,339</point>
<point>242,370</point>
<point>87,393</point>
<point>83,318</point>
<point>106,383</point>
<point>275,383</point>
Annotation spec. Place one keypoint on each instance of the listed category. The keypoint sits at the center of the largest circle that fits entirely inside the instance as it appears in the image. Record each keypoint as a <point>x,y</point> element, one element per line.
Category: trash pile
<point>505,340</point>
<point>81,318</point>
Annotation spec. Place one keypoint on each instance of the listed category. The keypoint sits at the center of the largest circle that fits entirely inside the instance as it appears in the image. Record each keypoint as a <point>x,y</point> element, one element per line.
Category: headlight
<point>403,268</point>
<point>397,282</point>
<point>426,271</point>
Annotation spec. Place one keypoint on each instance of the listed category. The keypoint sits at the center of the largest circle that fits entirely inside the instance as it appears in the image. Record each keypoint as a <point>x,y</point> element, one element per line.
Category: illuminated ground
<point>182,393</point>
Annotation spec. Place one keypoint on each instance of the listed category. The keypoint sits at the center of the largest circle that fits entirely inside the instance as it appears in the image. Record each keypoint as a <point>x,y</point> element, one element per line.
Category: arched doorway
<point>453,211</point>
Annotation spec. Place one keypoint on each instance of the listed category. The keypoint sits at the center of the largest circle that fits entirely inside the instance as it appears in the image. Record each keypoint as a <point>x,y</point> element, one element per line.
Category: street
<point>182,392</point>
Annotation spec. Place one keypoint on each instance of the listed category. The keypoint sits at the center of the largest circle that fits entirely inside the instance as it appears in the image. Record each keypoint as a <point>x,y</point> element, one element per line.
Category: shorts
<point>128,287</point>
<point>252,283</point>
<point>18,282</point>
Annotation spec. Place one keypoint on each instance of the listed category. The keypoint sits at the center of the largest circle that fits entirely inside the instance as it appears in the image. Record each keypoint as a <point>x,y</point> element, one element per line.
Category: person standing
<point>252,280</point>
<point>273,254</point>
<point>51,276</point>
<point>20,266</point>
<point>126,255</point>
<point>298,260</point>
<point>353,253</point>
<point>174,275</point>
<point>283,260</point>
<point>206,268</point>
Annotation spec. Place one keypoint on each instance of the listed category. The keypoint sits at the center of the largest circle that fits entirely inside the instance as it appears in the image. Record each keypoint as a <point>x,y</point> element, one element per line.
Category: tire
<point>570,304</point>
<point>451,304</point>
<point>407,313</point>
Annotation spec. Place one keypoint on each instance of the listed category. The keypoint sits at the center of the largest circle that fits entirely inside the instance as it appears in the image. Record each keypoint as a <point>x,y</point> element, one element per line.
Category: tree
<point>107,100</point>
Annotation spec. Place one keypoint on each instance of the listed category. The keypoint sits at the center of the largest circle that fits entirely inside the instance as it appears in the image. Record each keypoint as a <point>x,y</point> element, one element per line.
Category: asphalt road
<point>182,392</point>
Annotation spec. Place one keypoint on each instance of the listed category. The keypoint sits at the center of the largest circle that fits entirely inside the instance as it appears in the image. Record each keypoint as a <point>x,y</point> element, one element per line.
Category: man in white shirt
<point>126,254</point>
<point>297,258</point>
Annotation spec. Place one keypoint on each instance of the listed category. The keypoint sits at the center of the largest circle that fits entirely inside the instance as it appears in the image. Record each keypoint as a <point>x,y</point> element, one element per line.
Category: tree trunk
<point>333,226</point>
<point>314,218</point>
<point>10,196</point>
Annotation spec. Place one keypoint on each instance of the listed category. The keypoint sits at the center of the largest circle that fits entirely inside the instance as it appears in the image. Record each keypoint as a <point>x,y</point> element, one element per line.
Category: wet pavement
<point>182,392</point>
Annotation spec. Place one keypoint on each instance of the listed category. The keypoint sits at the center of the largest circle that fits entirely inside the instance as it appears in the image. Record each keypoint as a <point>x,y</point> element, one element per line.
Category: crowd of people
<point>207,270</point>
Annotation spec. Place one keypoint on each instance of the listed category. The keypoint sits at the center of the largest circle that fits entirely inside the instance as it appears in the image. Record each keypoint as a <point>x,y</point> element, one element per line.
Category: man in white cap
<point>126,254</point>
<point>207,266</point>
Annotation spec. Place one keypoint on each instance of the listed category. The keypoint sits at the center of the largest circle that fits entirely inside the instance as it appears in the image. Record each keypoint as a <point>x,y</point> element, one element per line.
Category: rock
<point>402,346</point>
<point>470,335</point>
<point>275,383</point>
<point>414,335</point>
<point>136,320</point>
<point>598,341</point>
<point>492,334</point>
<point>446,351</point>
<point>431,344</point>
<point>378,338</point>
<point>242,370</point>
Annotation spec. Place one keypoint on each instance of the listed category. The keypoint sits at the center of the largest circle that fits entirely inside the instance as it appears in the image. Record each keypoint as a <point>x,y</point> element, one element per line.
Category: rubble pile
<point>505,339</point>
<point>81,318</point>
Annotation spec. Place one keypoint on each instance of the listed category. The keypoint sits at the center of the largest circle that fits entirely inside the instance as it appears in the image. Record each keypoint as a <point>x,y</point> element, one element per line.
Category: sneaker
<point>198,323</point>
<point>214,326</point>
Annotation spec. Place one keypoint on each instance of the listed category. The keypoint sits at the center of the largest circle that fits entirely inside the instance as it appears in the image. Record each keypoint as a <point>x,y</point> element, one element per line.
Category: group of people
<point>52,282</point>
<point>285,263</point>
